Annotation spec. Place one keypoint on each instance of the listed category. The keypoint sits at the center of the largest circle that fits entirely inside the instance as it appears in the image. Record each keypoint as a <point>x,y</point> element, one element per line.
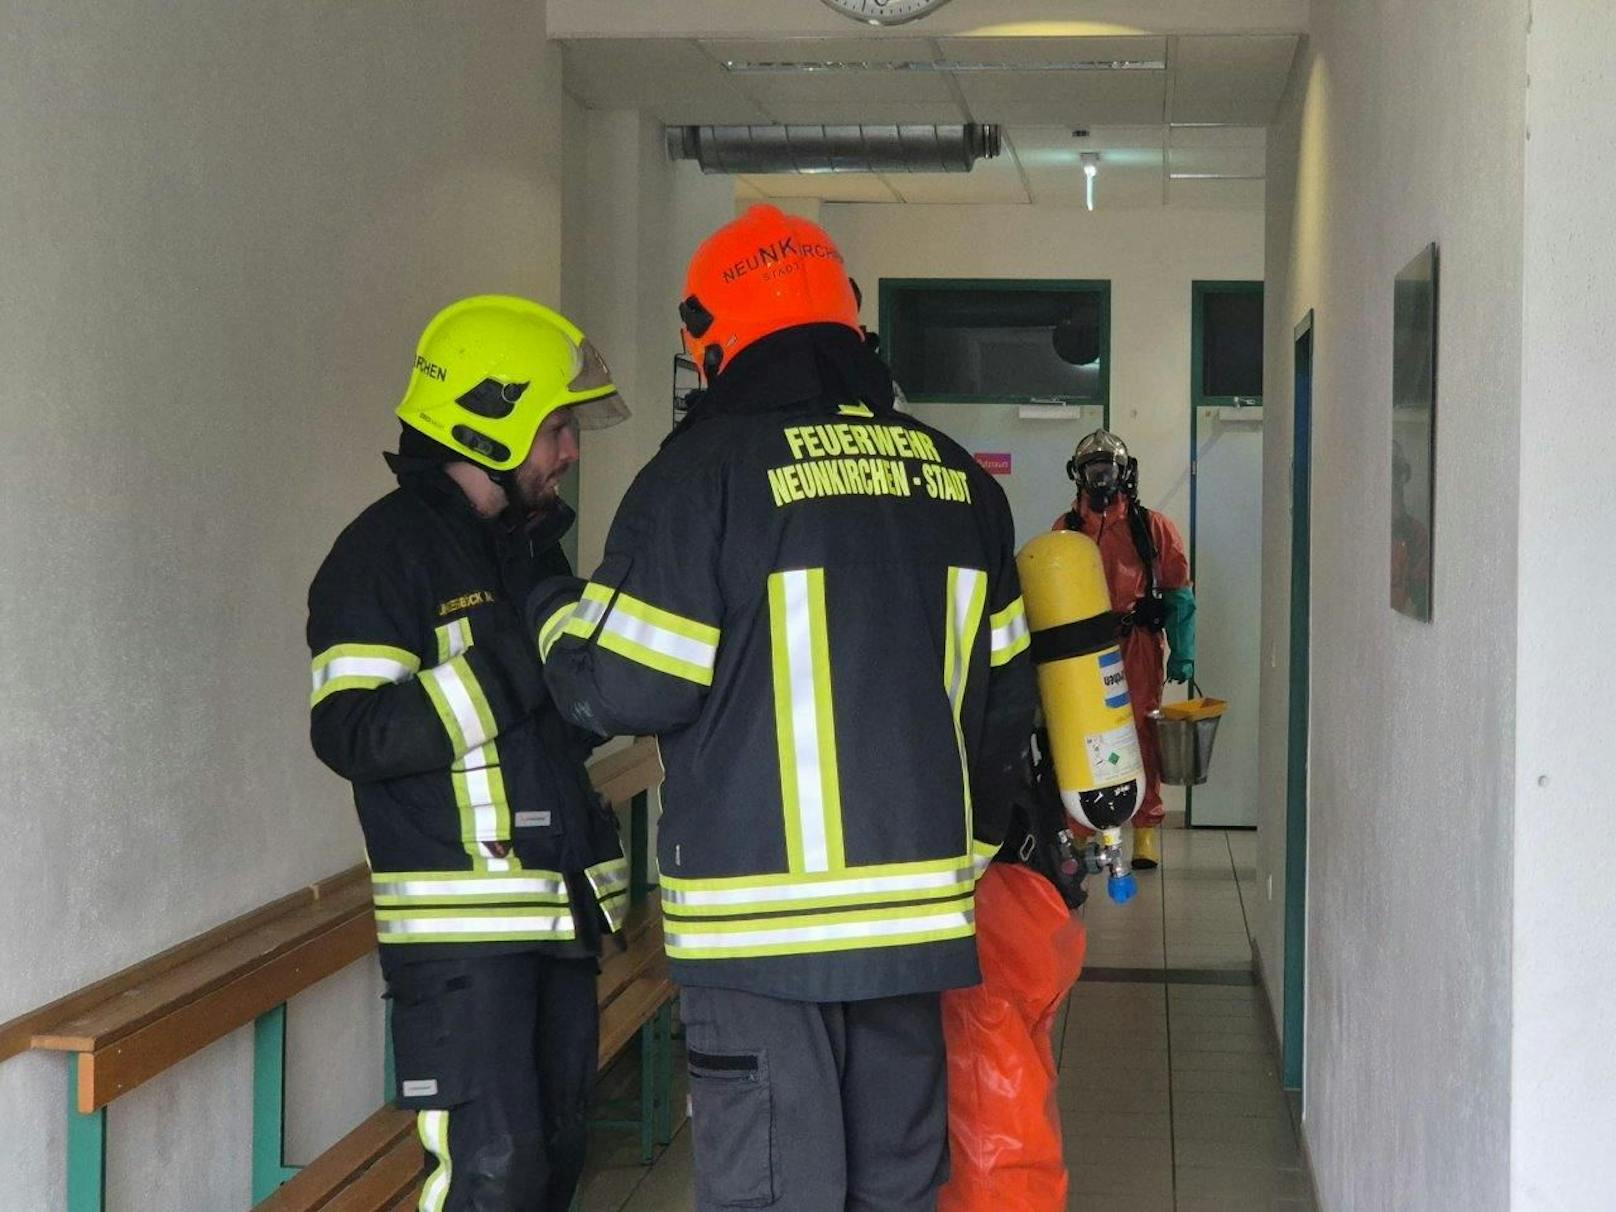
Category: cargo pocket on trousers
<point>431,1059</point>
<point>732,1120</point>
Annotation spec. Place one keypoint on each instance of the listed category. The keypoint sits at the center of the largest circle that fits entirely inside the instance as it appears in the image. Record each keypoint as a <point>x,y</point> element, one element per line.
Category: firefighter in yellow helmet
<point>495,874</point>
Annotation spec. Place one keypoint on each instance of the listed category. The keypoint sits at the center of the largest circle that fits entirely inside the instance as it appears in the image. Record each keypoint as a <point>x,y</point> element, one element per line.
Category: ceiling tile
<point>869,96</point>
<point>829,187</point>
<point>674,81</point>
<point>1216,195</point>
<point>882,113</point>
<point>1245,137</point>
<point>1227,161</point>
<point>823,50</point>
<point>1235,53</point>
<point>1025,51</point>
<point>1236,107</point>
<point>1066,98</point>
<point>1230,79</point>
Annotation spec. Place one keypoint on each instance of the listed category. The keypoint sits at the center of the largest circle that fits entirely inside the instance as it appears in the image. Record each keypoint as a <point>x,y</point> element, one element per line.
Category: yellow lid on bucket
<point>1194,709</point>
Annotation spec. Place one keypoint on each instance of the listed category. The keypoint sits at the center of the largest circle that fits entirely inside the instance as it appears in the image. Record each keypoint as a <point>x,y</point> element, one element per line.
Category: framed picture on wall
<point>1414,379</point>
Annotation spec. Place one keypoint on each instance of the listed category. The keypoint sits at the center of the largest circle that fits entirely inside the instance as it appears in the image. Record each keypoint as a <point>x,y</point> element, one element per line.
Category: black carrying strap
<point>1139,527</point>
<point>1040,838</point>
<point>1081,638</point>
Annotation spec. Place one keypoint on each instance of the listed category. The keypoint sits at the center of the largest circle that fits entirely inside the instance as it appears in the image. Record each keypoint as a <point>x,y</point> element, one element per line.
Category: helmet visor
<point>606,408</point>
<point>602,412</point>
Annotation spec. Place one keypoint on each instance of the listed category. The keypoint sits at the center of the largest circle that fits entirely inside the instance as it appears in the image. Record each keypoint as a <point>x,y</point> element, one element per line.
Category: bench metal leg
<point>648,1092</point>
<point>86,1150</point>
<point>664,1117</point>
<point>389,1073</point>
<point>269,1168</point>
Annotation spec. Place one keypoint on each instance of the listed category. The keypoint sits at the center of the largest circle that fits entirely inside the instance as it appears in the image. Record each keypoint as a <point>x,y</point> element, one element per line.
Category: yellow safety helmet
<point>491,368</point>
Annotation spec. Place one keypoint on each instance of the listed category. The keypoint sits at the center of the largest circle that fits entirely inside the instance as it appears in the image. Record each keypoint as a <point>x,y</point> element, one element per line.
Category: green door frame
<point>1296,762</point>
<point>890,288</point>
<point>1199,400</point>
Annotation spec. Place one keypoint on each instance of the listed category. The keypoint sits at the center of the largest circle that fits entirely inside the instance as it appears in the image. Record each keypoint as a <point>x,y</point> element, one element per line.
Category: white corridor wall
<point>1404,125</point>
<point>224,228</point>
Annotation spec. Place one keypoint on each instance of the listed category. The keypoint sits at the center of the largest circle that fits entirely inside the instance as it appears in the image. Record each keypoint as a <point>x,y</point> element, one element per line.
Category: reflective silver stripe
<point>607,878</point>
<point>816,889</point>
<point>805,719</point>
<point>1010,632</point>
<point>551,631</point>
<point>458,696</point>
<point>659,639</point>
<point>615,908</point>
<point>963,620</point>
<point>589,611</point>
<point>480,802</point>
<point>415,925</point>
<point>480,758</point>
<point>453,639</point>
<point>516,886</point>
<point>368,667</point>
<point>433,1128</point>
<point>805,936</point>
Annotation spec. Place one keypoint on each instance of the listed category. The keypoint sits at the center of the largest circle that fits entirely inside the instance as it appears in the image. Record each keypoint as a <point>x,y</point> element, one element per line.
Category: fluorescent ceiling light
<point>815,66</point>
<point>1216,177</point>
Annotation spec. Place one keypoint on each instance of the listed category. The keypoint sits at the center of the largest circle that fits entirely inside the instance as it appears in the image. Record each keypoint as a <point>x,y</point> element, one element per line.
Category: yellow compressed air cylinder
<point>1087,711</point>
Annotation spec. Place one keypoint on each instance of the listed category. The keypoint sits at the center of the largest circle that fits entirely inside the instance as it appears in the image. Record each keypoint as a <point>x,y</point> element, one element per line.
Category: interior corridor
<point>1170,1091</point>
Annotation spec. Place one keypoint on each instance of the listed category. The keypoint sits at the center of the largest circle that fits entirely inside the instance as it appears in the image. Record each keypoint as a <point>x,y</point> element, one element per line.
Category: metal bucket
<point>1186,748</point>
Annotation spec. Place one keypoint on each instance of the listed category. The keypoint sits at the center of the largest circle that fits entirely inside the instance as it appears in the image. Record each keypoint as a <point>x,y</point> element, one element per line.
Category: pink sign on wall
<point>997,464</point>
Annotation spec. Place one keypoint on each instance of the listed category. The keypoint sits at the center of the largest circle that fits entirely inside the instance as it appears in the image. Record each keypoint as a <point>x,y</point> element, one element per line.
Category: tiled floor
<point>1170,1096</point>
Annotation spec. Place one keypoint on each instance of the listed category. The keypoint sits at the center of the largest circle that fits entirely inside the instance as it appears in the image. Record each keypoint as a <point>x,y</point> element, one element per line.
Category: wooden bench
<point>130,1027</point>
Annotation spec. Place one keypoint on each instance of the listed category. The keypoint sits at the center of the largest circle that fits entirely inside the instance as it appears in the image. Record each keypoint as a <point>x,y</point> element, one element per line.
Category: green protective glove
<point>1180,605</point>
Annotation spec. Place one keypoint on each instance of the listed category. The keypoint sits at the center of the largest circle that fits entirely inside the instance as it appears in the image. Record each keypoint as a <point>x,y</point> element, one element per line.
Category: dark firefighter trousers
<point>497,1056</point>
<point>817,1106</point>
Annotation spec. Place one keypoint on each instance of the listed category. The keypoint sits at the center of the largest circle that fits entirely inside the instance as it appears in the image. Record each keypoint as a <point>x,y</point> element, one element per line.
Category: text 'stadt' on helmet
<point>491,368</point>
<point>762,273</point>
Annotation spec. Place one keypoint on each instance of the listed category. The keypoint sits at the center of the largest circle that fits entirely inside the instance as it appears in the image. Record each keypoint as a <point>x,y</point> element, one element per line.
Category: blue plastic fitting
<point>1122,888</point>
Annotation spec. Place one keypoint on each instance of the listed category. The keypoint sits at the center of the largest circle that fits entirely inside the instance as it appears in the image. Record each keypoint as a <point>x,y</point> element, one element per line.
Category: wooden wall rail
<point>137,1023</point>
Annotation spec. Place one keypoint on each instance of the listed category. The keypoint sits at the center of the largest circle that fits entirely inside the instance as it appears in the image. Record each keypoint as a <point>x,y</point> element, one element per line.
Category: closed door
<point>1228,598</point>
<point>1026,448</point>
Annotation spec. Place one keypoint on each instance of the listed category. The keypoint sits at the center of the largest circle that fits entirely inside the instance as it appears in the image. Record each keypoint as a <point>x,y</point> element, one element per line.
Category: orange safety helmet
<point>764,272</point>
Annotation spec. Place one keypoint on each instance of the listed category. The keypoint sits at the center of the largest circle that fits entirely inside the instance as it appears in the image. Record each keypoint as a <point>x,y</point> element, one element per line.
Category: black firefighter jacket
<point>480,825</point>
<point>812,601</point>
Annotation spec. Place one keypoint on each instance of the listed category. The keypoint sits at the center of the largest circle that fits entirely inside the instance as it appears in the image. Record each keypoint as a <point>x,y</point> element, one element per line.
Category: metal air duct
<point>834,149</point>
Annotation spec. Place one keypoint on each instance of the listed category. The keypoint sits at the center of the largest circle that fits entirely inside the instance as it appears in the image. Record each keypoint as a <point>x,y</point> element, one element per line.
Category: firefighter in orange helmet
<point>812,602</point>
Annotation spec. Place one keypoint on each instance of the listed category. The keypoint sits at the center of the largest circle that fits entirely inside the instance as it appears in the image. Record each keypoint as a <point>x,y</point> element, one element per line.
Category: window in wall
<point>1228,338</point>
<point>989,340</point>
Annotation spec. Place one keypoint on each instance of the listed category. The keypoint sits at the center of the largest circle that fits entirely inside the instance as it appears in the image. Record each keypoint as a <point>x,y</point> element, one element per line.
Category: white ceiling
<point>567,19</point>
<point>1190,132</point>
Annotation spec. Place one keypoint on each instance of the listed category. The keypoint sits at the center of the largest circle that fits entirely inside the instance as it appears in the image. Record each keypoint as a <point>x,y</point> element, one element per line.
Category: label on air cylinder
<point>1114,756</point>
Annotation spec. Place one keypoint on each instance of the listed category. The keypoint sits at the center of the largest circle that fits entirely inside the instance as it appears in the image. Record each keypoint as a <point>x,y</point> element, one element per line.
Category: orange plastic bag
<point>1003,1123</point>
